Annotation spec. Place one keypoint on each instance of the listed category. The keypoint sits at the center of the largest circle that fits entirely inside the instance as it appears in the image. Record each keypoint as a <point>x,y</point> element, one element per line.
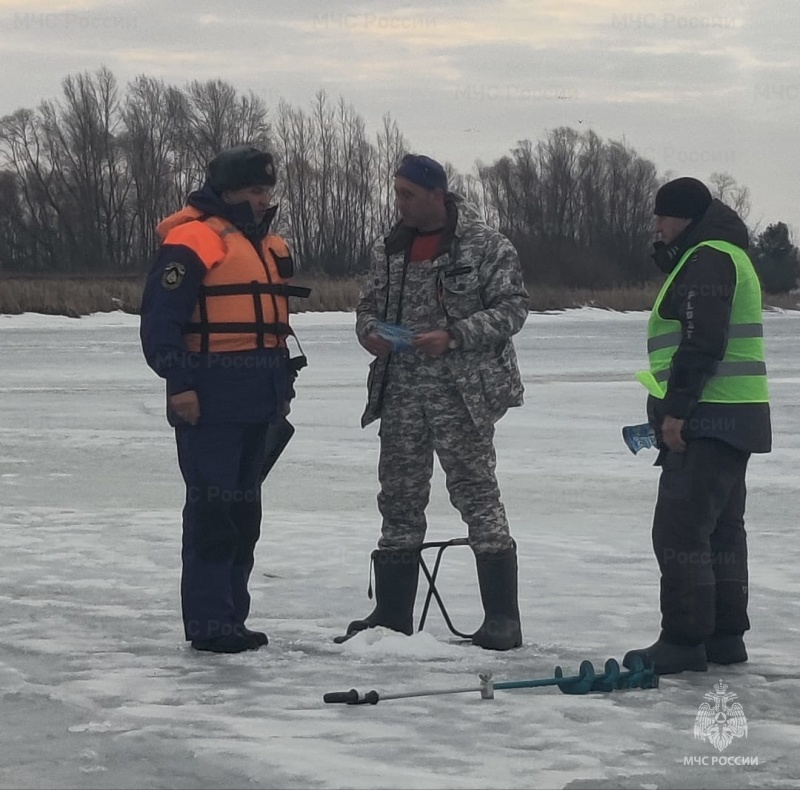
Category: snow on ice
<point>98,689</point>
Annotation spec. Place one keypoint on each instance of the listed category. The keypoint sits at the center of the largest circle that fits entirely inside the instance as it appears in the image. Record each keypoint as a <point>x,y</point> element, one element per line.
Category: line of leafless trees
<point>85,179</point>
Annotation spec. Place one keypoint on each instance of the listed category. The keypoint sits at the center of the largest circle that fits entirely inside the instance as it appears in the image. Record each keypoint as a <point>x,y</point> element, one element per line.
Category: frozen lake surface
<point>98,689</point>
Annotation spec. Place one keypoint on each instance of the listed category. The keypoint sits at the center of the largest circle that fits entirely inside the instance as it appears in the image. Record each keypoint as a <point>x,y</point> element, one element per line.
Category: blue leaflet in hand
<point>398,335</point>
<point>639,437</point>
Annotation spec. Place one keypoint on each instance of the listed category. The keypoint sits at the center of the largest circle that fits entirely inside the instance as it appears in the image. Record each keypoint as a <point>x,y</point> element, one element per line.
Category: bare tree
<point>84,181</point>
<point>725,188</point>
<point>572,199</point>
<point>218,118</point>
<point>295,141</point>
<point>13,242</point>
<point>73,165</point>
<point>24,155</point>
<point>392,147</point>
<point>154,116</point>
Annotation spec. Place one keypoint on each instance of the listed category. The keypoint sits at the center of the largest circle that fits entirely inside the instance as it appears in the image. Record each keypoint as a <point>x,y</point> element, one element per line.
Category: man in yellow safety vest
<point>709,406</point>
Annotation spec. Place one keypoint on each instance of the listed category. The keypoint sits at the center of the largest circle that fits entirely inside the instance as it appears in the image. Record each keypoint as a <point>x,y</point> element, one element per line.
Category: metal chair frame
<point>433,592</point>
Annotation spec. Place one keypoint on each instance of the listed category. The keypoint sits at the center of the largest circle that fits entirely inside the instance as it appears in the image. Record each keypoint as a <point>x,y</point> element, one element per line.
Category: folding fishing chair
<point>433,592</point>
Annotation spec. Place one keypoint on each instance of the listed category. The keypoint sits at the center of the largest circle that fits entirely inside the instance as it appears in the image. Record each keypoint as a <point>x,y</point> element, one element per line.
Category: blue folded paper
<point>398,335</point>
<point>639,437</point>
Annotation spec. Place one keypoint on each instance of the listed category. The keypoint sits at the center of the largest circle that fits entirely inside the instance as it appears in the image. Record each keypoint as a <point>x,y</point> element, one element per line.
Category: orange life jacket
<point>243,302</point>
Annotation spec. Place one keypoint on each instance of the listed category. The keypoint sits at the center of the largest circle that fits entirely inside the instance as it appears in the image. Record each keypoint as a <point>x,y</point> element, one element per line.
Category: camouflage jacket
<point>481,290</point>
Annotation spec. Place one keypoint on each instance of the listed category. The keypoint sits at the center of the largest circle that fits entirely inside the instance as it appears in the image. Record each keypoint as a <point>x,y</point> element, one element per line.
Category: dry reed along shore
<point>85,294</point>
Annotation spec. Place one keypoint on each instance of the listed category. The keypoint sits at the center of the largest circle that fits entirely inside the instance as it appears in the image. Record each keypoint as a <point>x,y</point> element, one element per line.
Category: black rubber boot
<point>234,643</point>
<point>669,659</point>
<point>497,577</point>
<point>259,637</point>
<point>396,578</point>
<point>726,649</point>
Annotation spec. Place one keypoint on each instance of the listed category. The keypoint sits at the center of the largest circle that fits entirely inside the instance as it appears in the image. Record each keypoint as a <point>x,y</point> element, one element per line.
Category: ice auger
<point>638,674</point>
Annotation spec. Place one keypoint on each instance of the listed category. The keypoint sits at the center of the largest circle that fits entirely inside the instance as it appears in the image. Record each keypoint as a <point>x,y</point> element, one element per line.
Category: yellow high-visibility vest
<point>741,375</point>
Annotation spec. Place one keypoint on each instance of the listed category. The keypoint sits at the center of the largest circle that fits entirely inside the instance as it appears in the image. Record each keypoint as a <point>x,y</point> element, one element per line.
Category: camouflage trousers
<point>423,412</point>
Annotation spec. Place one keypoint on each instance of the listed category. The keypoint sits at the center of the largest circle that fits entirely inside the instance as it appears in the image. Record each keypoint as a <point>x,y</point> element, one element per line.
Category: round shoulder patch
<point>173,275</point>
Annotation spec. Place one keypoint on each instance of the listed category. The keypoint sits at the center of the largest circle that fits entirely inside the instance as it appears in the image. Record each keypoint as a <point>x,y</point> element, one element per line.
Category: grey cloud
<point>697,86</point>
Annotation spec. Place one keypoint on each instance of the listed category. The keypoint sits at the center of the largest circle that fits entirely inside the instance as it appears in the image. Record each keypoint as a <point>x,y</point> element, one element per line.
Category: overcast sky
<point>695,86</point>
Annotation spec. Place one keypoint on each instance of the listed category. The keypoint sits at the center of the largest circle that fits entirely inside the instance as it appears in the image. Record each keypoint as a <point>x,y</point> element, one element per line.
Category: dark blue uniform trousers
<point>221,465</point>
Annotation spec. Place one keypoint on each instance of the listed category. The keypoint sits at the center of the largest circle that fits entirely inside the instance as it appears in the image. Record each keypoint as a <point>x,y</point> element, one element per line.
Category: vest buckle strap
<point>248,289</point>
<point>238,328</point>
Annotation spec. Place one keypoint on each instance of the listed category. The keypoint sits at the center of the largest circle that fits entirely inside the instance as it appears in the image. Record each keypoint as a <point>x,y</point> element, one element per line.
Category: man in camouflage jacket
<point>457,285</point>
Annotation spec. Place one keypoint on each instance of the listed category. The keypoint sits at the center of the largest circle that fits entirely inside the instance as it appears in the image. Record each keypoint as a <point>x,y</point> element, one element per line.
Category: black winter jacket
<point>700,298</point>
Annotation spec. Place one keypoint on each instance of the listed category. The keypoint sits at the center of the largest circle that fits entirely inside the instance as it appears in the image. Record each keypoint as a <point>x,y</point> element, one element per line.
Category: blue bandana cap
<point>422,170</point>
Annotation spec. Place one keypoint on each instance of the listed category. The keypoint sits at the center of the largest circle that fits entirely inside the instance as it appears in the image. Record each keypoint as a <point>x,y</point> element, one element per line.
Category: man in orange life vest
<point>214,324</point>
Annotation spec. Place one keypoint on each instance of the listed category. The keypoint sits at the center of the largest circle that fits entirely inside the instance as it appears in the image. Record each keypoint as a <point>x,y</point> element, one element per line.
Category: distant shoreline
<point>85,294</point>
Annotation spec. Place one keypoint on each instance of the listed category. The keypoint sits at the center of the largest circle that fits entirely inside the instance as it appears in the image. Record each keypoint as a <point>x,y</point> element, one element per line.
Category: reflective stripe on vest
<point>741,376</point>
<point>243,302</point>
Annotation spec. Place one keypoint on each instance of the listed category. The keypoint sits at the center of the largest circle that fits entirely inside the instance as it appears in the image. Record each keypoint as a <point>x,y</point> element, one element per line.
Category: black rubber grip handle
<point>341,696</point>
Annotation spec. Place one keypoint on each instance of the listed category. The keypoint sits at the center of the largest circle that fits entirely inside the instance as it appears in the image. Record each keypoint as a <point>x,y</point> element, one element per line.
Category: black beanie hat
<point>422,170</point>
<point>240,167</point>
<point>686,198</point>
